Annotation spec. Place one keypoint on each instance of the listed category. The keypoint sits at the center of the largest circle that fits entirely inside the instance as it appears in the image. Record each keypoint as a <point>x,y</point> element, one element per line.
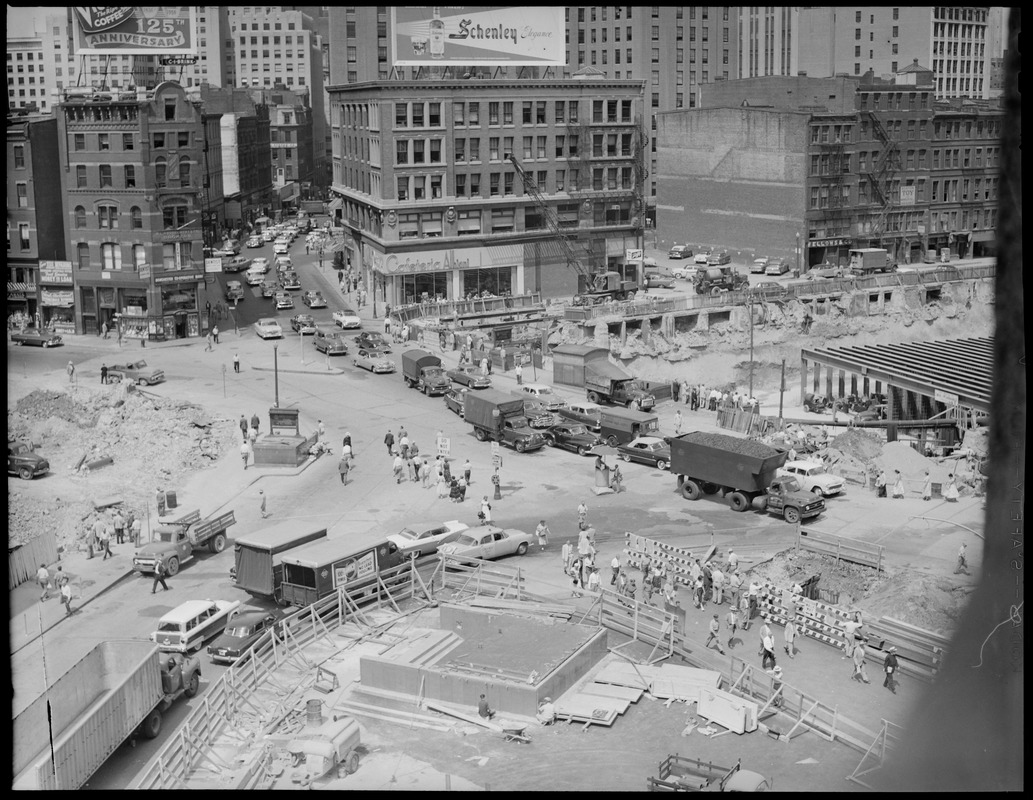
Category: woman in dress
<point>950,494</point>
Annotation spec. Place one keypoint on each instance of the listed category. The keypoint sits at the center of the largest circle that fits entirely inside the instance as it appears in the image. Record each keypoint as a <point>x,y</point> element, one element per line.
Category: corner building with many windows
<point>432,206</point>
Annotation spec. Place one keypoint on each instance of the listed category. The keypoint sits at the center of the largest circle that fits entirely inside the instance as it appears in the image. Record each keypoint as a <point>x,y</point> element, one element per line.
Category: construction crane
<point>593,287</point>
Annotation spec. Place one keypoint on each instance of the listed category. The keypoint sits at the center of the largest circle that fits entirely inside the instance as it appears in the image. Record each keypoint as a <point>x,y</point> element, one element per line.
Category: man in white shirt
<point>546,712</point>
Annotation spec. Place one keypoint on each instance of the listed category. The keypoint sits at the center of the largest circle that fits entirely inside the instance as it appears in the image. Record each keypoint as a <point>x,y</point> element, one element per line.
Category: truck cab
<point>785,498</point>
<point>179,537</point>
<point>423,371</point>
<point>715,279</point>
<point>869,260</point>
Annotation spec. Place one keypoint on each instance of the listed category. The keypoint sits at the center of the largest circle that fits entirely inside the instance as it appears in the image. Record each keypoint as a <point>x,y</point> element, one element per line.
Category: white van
<point>186,627</point>
<point>254,276</point>
<point>545,394</point>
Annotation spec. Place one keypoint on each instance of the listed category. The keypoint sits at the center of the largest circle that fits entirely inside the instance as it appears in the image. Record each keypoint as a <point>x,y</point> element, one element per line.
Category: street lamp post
<point>276,379</point>
<point>749,306</point>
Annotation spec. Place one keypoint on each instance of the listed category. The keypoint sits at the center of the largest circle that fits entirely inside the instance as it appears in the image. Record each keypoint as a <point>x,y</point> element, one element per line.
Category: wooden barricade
<point>24,560</point>
<point>478,577</point>
<point>869,555</point>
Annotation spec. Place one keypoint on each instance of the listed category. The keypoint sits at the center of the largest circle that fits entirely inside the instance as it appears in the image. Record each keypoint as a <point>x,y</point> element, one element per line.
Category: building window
<point>401,152</point>
<point>458,114</point>
<point>103,141</point>
<point>460,186</point>
<point>80,176</point>
<point>475,185</point>
<point>493,148</point>
<point>418,151</point>
<point>184,171</point>
<point>130,176</point>
<point>139,256</point>
<point>174,217</point>
<point>539,118</point>
<point>83,255</point>
<point>403,189</point>
<point>183,139</point>
<point>434,115</point>
<point>80,217</point>
<point>493,184</point>
<point>419,189</point>
<point>493,113</point>
<point>19,156</point>
<point>136,218</point>
<point>507,113</point>
<point>502,219</point>
<point>435,151</point>
<point>475,113</point>
<point>23,195</point>
<point>528,109</point>
<point>79,140</point>
<point>111,254</point>
<point>402,114</point>
<point>460,149</point>
<point>508,183</point>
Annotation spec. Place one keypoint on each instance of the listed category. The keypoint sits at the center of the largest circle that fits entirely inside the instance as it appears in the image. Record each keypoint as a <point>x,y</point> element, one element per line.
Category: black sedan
<point>36,337</point>
<point>373,339</point>
<point>572,436</point>
<point>241,635</point>
<point>647,450</point>
<point>470,376</point>
<point>658,281</point>
<point>455,399</point>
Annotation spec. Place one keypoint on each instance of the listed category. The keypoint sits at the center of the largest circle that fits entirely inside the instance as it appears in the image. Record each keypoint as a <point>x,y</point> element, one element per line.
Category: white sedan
<point>261,263</point>
<point>812,477</point>
<point>420,540</point>
<point>347,317</point>
<point>268,328</point>
<point>488,542</point>
<point>374,360</point>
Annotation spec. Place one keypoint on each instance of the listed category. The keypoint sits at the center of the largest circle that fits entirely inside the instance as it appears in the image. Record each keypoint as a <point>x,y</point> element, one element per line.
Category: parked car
<point>584,411</point>
<point>283,300</point>
<point>812,477</point>
<point>759,265</point>
<point>825,271</point>
<point>303,324</point>
<point>290,281</point>
<point>684,272</point>
<point>455,399</point>
<point>373,359</point>
<point>422,540</point>
<point>543,393</point>
<point>573,436</point>
<point>240,636</point>
<point>24,462</point>
<point>373,339</point>
<point>470,376</point>
<point>680,251</point>
<point>488,542</point>
<point>777,267</point>
<point>187,627</point>
<point>702,257</point>
<point>717,259</point>
<point>267,328</point>
<point>768,290</point>
<point>138,372</point>
<point>647,450</point>
<point>269,288</point>
<point>314,299</point>
<point>329,342</point>
<point>347,317</point>
<point>261,263</point>
<point>657,281</point>
<point>35,337</point>
<point>234,291</point>
<point>254,241</point>
<point>237,264</point>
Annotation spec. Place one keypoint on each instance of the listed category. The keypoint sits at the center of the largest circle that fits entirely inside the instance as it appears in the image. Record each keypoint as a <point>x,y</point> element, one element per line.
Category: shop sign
<point>182,276</point>
<point>213,265</point>
<point>185,235</point>
<point>907,195</point>
<point>59,272</point>
<point>828,242</point>
<point>57,298</point>
<point>446,260</point>
<point>947,398</point>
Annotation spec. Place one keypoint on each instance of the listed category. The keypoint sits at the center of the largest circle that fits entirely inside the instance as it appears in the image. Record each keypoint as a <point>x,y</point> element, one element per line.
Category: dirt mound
<point>45,405</point>
<point>911,463</point>
<point>860,445</point>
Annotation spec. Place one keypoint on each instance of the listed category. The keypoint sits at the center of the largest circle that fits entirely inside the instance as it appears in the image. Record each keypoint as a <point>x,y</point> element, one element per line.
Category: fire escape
<point>880,179</point>
<point>833,166</point>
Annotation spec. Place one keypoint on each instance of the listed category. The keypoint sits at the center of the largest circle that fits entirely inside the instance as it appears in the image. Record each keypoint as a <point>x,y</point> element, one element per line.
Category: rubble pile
<point>911,463</point>
<point>152,442</point>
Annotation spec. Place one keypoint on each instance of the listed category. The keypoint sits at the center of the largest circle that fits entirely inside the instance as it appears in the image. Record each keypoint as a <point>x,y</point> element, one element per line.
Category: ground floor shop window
<point>178,299</point>
<point>424,287</point>
<point>490,282</point>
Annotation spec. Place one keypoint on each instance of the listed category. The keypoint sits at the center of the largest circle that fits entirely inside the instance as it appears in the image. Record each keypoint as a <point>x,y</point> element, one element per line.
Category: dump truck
<point>680,774</point>
<point>717,279</point>
<point>179,537</point>
<point>258,557</point>
<point>608,383</point>
<point>869,260</point>
<point>500,417</point>
<point>119,689</point>
<point>422,370</point>
<point>742,470</point>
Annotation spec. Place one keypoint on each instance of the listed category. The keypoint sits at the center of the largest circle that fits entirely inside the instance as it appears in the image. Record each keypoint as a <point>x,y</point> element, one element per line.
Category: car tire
<point>690,490</point>
<point>151,725</point>
<point>737,501</point>
<point>351,763</point>
<point>173,566</point>
<point>817,491</point>
<point>218,543</point>
<point>25,473</point>
<point>193,686</point>
<point>791,515</point>
<point>593,397</point>
<point>520,447</point>
<point>522,548</point>
<point>581,450</point>
<point>141,382</point>
<point>661,464</point>
<point>626,458</point>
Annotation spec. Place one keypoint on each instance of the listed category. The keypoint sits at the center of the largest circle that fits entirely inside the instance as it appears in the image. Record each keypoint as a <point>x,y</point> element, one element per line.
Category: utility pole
<point>749,305</point>
<point>781,389</point>
<point>276,379</point>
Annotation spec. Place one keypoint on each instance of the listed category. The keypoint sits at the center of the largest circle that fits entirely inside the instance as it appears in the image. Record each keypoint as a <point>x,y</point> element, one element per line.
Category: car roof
<point>647,440</point>
<point>250,617</point>
<point>187,610</point>
<point>267,321</point>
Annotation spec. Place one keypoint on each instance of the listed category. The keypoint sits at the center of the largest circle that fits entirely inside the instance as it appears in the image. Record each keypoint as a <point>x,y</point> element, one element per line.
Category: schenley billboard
<point>135,30</point>
<point>478,35</point>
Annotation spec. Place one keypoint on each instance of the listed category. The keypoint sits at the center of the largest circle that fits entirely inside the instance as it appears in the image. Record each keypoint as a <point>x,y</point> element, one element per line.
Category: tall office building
<point>958,43</point>
<point>768,40</point>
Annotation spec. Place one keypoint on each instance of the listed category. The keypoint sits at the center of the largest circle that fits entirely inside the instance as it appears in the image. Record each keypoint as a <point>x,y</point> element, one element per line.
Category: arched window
<point>136,216</point>
<point>80,217</point>
<point>160,168</point>
<point>184,173</point>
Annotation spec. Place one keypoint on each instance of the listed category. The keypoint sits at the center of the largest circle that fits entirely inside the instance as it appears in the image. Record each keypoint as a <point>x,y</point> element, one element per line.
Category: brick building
<point>134,166</point>
<point>432,207</point>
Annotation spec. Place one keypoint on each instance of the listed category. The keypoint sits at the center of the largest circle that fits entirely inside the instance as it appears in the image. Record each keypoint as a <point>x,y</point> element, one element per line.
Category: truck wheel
<point>715,291</point>
<point>25,473</point>
<point>520,447</point>
<point>173,565</point>
<point>661,465</point>
<point>522,548</point>
<point>690,490</point>
<point>611,440</point>
<point>218,544</point>
<point>480,435</point>
<point>791,515</point>
<point>425,390</point>
<point>593,397</point>
<point>351,763</point>
<point>151,726</point>
<point>193,686</point>
<point>738,501</point>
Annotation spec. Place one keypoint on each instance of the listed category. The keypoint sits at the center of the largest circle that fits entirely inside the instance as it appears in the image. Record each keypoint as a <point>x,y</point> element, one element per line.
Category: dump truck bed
<point>725,460</point>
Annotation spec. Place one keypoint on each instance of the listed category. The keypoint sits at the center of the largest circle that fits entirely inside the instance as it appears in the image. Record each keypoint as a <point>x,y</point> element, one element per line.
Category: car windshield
<point>816,470</point>
<point>241,631</point>
<point>466,541</point>
<point>577,430</point>
<point>407,533</point>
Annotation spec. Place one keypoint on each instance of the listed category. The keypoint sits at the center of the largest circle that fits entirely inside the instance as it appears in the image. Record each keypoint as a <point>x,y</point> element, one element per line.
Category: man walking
<point>397,467</point>
<point>890,667</point>
<point>103,373</point>
<point>860,674</point>
<point>243,427</point>
<point>715,627</point>
<point>105,541</point>
<point>542,532</point>
<point>236,362</point>
<point>343,467</point>
<point>962,567</point>
<point>467,470</point>
<point>136,528</point>
<point>519,372</point>
<point>320,431</point>
<point>732,620</point>
<point>768,648</point>
<point>256,423</point>
<point>261,506</point>
<point>43,579</point>
<point>677,422</point>
<point>880,484</point>
<point>615,568</point>
<point>208,342</point>
<point>66,594</point>
<point>160,570</point>
<point>790,638</point>
<point>245,452</point>
<point>70,369</point>
<point>215,334</point>
<point>120,527</point>
<point>389,441</point>
<point>927,487</point>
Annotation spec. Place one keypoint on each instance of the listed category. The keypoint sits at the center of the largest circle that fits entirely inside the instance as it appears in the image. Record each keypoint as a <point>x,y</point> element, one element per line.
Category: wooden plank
<point>473,719</point>
<point>710,677</point>
<point>628,693</point>
<point>586,705</point>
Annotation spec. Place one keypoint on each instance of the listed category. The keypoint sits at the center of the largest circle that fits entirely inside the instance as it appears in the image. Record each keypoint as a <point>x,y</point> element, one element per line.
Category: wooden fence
<point>841,548</point>
<point>24,560</point>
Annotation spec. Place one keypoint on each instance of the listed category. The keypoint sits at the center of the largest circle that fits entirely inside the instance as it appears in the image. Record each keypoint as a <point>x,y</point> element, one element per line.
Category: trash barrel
<point>170,500</point>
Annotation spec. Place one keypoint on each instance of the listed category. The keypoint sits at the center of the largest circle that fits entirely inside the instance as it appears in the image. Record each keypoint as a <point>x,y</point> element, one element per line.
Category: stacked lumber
<point>662,681</point>
<point>920,652</point>
<point>731,711</point>
<point>590,709</point>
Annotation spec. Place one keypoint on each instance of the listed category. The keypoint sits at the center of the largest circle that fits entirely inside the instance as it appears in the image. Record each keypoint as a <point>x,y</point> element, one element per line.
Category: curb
<point>331,371</point>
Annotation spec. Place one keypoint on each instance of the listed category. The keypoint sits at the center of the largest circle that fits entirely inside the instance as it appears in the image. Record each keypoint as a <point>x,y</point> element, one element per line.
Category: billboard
<point>135,30</point>
<point>478,35</point>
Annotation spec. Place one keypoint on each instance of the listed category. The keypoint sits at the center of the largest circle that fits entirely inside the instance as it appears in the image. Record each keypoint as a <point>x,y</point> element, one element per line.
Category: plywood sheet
<point>624,674</point>
<point>629,693</point>
<point>729,710</point>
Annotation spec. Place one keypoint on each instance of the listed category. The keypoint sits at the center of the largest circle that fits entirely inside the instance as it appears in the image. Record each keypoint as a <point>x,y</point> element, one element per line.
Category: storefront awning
<point>334,204</point>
